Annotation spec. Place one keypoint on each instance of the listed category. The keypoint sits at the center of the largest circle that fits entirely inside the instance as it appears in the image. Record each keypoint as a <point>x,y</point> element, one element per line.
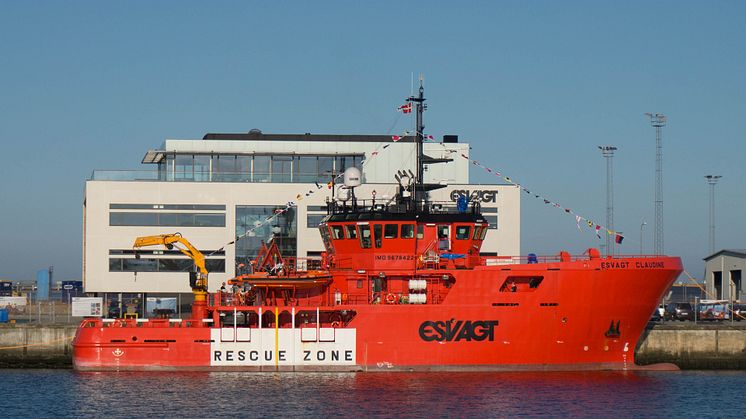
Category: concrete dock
<point>720,345</point>
<point>688,345</point>
<point>33,346</point>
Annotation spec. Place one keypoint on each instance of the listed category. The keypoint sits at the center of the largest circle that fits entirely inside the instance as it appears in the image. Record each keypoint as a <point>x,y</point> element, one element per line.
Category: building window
<point>307,169</point>
<point>282,169</point>
<point>262,224</point>
<point>207,207</point>
<point>313,220</point>
<point>260,172</point>
<point>224,168</point>
<point>326,167</point>
<point>162,265</point>
<point>166,219</point>
<point>279,168</point>
<point>184,167</point>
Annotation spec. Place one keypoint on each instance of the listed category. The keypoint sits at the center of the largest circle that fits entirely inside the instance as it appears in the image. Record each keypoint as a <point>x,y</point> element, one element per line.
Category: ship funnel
<point>353,177</point>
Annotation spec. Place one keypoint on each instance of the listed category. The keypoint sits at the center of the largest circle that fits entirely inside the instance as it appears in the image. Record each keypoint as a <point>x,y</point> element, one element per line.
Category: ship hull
<point>584,315</point>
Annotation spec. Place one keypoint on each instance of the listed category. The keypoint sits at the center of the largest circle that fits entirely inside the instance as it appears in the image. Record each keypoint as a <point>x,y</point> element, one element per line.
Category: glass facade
<point>278,168</point>
<point>284,228</point>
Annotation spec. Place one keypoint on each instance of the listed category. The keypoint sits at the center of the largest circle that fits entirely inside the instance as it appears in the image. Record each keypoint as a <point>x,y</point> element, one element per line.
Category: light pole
<point>712,180</point>
<point>658,121</point>
<point>608,152</point>
<point>643,224</point>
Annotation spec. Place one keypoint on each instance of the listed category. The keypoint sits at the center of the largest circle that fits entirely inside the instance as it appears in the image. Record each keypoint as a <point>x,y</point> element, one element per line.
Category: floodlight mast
<point>607,151</point>
<point>712,180</point>
<point>658,121</point>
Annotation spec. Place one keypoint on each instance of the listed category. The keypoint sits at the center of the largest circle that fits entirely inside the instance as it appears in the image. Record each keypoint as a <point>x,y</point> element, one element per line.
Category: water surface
<point>654,394</point>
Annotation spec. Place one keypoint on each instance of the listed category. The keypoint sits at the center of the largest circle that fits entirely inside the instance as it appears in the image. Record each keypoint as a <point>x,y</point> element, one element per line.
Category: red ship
<point>401,286</point>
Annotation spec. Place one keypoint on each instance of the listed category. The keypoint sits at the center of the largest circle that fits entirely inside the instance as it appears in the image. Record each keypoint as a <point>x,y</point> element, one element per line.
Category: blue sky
<point>534,86</point>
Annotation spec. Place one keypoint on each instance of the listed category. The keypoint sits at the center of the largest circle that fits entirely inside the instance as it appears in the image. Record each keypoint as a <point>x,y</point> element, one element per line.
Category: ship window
<point>351,232</point>
<point>420,232</point>
<point>377,233</point>
<point>483,233</point>
<point>477,232</point>
<point>364,233</point>
<point>463,232</point>
<point>337,232</point>
<point>390,231</point>
<point>407,231</point>
<point>325,237</point>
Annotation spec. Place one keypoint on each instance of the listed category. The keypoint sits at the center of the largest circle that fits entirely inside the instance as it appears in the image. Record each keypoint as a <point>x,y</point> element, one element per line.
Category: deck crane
<point>197,280</point>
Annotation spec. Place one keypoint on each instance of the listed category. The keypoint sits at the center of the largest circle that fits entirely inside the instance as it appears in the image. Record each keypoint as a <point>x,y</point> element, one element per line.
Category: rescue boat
<point>401,286</point>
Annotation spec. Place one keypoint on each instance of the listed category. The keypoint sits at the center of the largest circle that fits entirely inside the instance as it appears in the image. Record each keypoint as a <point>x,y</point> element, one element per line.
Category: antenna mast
<point>419,101</point>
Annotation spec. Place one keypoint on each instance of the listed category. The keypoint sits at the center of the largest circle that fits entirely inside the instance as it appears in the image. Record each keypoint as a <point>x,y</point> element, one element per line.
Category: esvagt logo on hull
<point>458,330</point>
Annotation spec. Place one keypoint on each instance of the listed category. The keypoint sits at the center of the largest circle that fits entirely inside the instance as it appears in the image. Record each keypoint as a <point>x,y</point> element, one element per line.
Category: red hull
<point>584,314</point>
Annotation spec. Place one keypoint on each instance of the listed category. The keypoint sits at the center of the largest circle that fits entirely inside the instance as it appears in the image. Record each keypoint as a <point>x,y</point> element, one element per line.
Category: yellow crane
<point>197,280</point>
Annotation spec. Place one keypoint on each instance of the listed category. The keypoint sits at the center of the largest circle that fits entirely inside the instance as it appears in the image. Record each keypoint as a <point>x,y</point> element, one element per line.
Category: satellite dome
<point>353,177</point>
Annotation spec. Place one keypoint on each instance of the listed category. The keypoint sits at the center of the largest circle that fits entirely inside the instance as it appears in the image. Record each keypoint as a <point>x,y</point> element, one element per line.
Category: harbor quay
<point>715,346</point>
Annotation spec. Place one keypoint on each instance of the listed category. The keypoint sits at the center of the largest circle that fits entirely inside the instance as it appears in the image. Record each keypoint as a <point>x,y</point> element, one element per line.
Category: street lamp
<point>712,180</point>
<point>658,121</point>
<point>643,224</point>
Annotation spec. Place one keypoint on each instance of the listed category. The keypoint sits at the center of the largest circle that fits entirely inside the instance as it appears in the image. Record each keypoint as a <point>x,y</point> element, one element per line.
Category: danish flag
<point>405,108</point>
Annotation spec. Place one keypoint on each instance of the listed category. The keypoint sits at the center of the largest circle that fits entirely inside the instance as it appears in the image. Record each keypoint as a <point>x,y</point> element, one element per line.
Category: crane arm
<point>169,240</point>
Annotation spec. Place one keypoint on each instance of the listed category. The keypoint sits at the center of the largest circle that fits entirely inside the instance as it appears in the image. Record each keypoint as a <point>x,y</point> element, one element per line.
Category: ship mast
<point>419,184</point>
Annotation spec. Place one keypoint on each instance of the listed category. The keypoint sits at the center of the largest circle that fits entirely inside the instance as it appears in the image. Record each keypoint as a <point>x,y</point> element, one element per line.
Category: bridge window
<point>377,233</point>
<point>390,231</point>
<point>407,231</point>
<point>351,232</point>
<point>364,233</point>
<point>420,231</point>
<point>463,232</point>
<point>337,232</point>
<point>477,232</point>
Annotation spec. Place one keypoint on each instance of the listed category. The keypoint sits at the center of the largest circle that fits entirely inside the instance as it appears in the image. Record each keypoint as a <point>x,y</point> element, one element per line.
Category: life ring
<point>390,298</point>
<point>336,323</point>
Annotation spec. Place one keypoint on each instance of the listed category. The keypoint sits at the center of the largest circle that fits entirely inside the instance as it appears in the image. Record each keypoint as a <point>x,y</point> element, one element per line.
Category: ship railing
<point>561,257</point>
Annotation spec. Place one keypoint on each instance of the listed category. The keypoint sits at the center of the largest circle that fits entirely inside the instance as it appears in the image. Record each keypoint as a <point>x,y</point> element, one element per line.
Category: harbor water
<point>44,393</point>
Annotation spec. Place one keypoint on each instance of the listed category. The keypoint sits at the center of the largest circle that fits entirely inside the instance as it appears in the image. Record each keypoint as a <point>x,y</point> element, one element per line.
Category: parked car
<point>679,311</point>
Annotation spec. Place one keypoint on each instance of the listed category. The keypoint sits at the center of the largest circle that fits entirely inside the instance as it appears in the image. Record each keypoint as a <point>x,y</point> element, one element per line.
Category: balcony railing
<point>159,176</point>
